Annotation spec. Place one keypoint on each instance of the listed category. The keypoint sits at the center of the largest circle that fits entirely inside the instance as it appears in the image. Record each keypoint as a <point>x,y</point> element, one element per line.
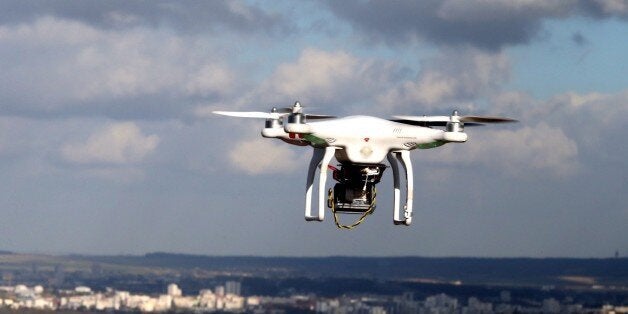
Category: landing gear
<point>354,192</point>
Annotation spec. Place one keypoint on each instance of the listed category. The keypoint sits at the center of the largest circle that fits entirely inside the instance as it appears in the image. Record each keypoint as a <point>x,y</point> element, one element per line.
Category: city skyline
<point>108,144</point>
<point>167,282</point>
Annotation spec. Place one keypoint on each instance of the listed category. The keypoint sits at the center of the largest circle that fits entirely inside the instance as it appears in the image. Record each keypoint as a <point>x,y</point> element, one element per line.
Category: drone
<point>360,144</point>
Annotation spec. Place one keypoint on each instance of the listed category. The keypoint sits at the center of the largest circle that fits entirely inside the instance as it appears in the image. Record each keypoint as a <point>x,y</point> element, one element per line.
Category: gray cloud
<point>194,16</point>
<point>58,67</point>
<point>329,78</point>
<point>488,24</point>
<point>330,81</point>
<point>604,8</point>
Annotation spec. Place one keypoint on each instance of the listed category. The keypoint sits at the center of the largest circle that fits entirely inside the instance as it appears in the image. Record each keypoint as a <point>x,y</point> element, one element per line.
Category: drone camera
<point>355,190</point>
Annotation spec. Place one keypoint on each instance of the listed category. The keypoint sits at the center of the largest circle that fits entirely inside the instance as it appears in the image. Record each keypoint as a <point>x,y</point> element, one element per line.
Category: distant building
<point>83,290</point>
<point>174,291</point>
<point>207,299</point>
<point>474,305</point>
<point>7,278</point>
<point>325,306</point>
<point>219,291</point>
<point>253,301</point>
<point>184,302</point>
<point>233,287</point>
<point>551,305</point>
<point>59,276</point>
<point>441,303</point>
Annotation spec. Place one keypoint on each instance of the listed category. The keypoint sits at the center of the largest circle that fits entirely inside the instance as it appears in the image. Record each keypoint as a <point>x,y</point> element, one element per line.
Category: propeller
<point>444,120</point>
<point>251,114</point>
<point>274,114</point>
<point>318,116</point>
<point>486,119</point>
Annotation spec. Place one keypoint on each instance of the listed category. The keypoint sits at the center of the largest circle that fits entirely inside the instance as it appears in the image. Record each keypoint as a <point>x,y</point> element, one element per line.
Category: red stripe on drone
<point>295,135</point>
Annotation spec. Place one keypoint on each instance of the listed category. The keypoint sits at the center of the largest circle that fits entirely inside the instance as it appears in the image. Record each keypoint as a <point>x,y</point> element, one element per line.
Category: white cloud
<point>210,79</point>
<point>48,31</point>
<point>334,77</point>
<point>557,136</point>
<point>604,108</point>
<point>586,117</point>
<point>539,148</point>
<point>531,149</point>
<point>119,143</point>
<point>314,71</point>
<point>145,62</point>
<point>72,67</point>
<point>263,156</point>
<point>453,77</point>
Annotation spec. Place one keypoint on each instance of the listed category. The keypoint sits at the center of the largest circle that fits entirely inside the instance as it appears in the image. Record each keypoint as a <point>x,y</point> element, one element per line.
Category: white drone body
<point>360,144</point>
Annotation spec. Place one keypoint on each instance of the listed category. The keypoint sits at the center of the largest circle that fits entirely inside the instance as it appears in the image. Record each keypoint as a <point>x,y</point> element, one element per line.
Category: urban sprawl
<point>228,298</point>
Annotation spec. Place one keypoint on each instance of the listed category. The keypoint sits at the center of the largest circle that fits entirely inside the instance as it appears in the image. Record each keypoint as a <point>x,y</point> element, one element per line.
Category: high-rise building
<point>233,287</point>
<point>219,291</point>
<point>59,276</point>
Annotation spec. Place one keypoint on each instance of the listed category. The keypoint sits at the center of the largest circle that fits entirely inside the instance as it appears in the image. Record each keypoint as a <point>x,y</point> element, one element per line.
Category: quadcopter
<point>360,144</point>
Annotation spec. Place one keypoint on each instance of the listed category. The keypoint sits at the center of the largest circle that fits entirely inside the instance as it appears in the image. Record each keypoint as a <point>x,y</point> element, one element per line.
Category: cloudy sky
<point>107,144</point>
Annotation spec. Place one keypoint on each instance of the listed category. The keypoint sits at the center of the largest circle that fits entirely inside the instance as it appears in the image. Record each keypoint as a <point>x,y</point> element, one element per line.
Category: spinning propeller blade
<point>285,110</point>
<point>251,114</point>
<point>481,119</point>
<point>318,116</point>
<point>275,113</point>
<point>443,120</point>
<point>424,118</point>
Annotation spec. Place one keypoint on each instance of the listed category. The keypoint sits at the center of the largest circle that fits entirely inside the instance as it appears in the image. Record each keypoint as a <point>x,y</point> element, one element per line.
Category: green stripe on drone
<point>431,145</point>
<point>314,140</point>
